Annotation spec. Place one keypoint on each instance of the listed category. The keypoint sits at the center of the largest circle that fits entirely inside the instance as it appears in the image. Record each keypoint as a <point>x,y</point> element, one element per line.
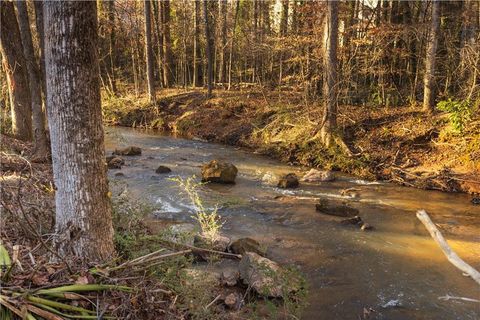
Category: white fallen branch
<point>449,297</point>
<point>449,253</point>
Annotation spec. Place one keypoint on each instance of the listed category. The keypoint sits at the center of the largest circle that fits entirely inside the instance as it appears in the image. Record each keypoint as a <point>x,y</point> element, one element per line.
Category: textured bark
<point>15,66</point>
<point>429,79</point>
<point>197,59</point>
<point>149,52</point>
<point>330,40</point>
<point>209,48</point>
<point>284,18</point>
<point>39,134</point>
<point>167,45</point>
<point>83,210</point>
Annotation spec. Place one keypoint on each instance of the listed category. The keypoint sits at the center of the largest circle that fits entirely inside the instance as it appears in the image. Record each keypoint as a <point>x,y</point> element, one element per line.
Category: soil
<point>400,144</point>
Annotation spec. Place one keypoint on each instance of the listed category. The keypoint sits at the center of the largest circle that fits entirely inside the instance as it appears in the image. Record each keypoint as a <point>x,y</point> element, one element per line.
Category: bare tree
<point>15,66</point>
<point>167,44</point>
<point>40,137</point>
<point>197,60</point>
<point>330,39</point>
<point>429,79</point>
<point>232,42</point>
<point>83,209</point>
<point>149,52</point>
<point>209,48</point>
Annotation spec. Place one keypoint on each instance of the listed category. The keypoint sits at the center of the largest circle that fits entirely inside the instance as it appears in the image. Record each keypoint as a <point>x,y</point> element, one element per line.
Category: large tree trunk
<point>329,122</point>
<point>40,137</point>
<point>209,48</point>
<point>197,59</point>
<point>83,210</point>
<point>429,79</point>
<point>167,45</point>
<point>16,69</point>
<point>149,52</point>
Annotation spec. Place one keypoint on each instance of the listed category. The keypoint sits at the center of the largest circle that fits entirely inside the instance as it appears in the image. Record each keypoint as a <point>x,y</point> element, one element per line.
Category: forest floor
<point>398,144</point>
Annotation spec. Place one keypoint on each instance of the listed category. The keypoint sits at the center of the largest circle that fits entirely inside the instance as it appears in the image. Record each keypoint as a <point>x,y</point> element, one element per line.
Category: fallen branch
<point>449,297</point>
<point>193,248</point>
<point>449,253</point>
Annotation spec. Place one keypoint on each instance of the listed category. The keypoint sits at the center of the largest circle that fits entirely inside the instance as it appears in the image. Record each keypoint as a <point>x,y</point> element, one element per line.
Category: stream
<point>394,272</point>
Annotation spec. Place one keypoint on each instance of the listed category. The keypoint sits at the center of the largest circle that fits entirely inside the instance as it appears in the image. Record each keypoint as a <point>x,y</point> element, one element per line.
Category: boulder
<point>230,277</point>
<point>233,300</point>
<point>289,180</point>
<point>128,151</point>
<point>119,174</point>
<point>218,243</point>
<point>114,162</point>
<point>243,245</point>
<point>265,276</point>
<point>335,208</point>
<point>163,169</point>
<point>315,175</point>
<point>218,171</point>
<point>355,220</point>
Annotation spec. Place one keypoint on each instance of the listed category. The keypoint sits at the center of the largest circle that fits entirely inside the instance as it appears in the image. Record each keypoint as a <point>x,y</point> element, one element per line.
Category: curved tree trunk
<point>83,210</point>
<point>429,79</point>
<point>149,52</point>
<point>329,122</point>
<point>40,137</point>
<point>16,69</point>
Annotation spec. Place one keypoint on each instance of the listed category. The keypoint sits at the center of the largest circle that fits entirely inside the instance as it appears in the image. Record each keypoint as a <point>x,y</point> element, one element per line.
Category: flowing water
<point>396,270</point>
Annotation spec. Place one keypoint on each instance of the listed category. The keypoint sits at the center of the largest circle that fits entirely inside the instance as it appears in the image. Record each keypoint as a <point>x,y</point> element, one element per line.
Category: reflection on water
<point>393,272</point>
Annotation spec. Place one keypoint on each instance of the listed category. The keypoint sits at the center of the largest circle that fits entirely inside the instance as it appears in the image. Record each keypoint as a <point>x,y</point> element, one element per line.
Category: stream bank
<point>402,145</point>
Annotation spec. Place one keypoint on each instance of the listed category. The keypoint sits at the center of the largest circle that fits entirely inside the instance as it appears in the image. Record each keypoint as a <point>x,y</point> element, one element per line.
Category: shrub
<point>459,112</point>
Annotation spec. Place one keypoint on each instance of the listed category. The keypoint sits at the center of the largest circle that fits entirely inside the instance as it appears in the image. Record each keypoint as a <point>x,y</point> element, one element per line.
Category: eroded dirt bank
<point>402,145</point>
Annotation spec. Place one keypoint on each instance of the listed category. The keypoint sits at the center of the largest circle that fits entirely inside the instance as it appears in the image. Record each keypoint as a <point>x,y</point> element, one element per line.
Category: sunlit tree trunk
<point>223,39</point>
<point>83,225</point>
<point>149,52</point>
<point>39,134</point>
<point>112,46</point>
<point>14,64</point>
<point>167,45</point>
<point>197,58</point>
<point>429,79</point>
<point>209,48</point>
<point>330,39</point>
<point>232,42</point>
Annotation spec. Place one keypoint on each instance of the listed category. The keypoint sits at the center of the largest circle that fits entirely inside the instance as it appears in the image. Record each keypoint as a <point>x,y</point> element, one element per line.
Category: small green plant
<point>459,112</point>
<point>209,220</point>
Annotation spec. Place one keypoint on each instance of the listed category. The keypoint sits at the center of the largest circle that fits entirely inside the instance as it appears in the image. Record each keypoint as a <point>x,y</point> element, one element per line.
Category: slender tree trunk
<point>209,48</point>
<point>158,22</point>
<point>429,79</point>
<point>232,42</point>
<point>35,83</point>
<point>83,210</point>
<point>329,122</point>
<point>168,75</point>
<point>284,18</point>
<point>17,77</point>
<point>223,38</point>
<point>41,36</point>
<point>197,59</point>
<point>112,46</point>
<point>149,52</point>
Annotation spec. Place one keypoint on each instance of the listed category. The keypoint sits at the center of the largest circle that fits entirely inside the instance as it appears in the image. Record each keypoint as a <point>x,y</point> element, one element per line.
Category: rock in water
<point>163,169</point>
<point>315,175</point>
<point>265,276</point>
<point>288,181</point>
<point>338,209</point>
<point>114,162</point>
<point>476,200</point>
<point>355,220</point>
<point>366,227</point>
<point>243,245</point>
<point>128,151</point>
<point>218,171</point>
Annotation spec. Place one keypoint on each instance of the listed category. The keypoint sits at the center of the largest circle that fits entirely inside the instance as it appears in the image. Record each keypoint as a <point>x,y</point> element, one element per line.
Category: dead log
<point>449,253</point>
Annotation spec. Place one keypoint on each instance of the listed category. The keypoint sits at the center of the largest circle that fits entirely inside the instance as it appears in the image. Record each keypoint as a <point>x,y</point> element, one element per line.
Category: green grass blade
<point>83,288</point>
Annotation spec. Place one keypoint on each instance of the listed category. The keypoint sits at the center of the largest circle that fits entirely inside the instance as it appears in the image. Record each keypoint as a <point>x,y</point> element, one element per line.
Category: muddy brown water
<point>396,270</point>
